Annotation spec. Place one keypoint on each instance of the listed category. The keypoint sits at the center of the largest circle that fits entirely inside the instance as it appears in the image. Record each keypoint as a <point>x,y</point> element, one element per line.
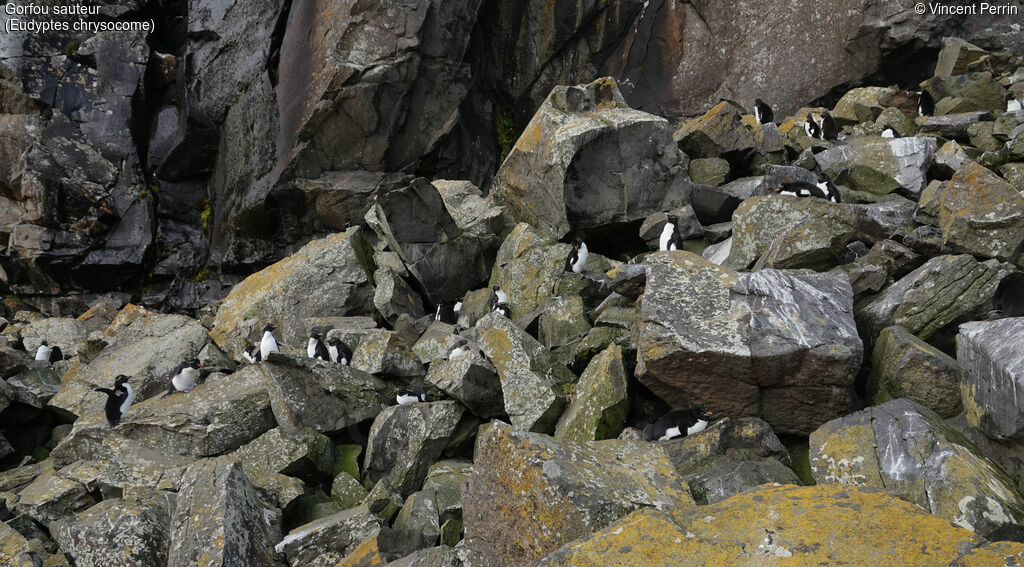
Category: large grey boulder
<point>991,358</point>
<point>33,386</point>
<point>717,131</point>
<point>383,352</point>
<point>327,277</point>
<point>775,344</point>
<point>878,165</point>
<point>220,520</point>
<point>143,344</point>
<point>65,333</point>
<point>106,461</point>
<point>328,397</point>
<point>446,258</point>
<point>979,213</point>
<point>472,380</point>
<point>394,296</point>
<point>530,378</point>
<point>119,533</point>
<point>324,542</point>
<point>586,159</point>
<point>548,492</point>
<point>50,497</point>
<point>909,451</point>
<point>945,290</point>
<point>904,366</point>
<point>405,440</point>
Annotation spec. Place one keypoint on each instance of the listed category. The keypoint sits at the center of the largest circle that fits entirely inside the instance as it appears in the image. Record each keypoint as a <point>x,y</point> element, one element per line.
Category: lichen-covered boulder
<point>600,403</point>
<point>904,366</point>
<point>878,165</point>
<point>586,159</point>
<point>731,456</point>
<point>907,449</point>
<point>718,131</point>
<point>979,213</point>
<point>33,386</point>
<point>220,520</point>
<point>107,461</point>
<point>405,440</point>
<point>326,396</point>
<point>950,126</point>
<point>326,541</point>
<point>394,296</point>
<point>328,277</point>
<point>946,289</point>
<point>528,268</point>
<point>529,377</point>
<point>272,459</point>
<point>383,352</point>
<point>529,494</point>
<point>991,357</point>
<point>17,551</point>
<point>976,91</point>
<point>859,105</point>
<point>214,418</point>
<point>779,525</point>
<point>472,380</point>
<point>50,497</point>
<point>119,532</point>
<point>141,343</point>
<point>775,344</point>
<point>65,333</point>
<point>562,321</point>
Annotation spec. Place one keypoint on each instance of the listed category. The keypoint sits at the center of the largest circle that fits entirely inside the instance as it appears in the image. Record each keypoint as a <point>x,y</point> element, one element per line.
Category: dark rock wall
<point>170,164</point>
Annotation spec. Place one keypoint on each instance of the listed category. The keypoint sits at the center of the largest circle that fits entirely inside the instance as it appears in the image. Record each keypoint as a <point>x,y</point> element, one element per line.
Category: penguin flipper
<point>106,391</point>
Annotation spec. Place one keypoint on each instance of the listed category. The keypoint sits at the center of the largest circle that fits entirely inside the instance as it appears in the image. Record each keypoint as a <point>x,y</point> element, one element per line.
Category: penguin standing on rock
<point>828,189</point>
<point>811,127</point>
<point>410,395</point>
<point>316,348</point>
<point>1013,104</point>
<point>184,377</point>
<point>498,306</point>
<point>338,351</point>
<point>925,104</point>
<point>251,354</point>
<point>763,112</point>
<point>829,128</point>
<point>446,312</point>
<point>501,296</point>
<point>268,343</point>
<point>670,239</point>
<point>49,354</point>
<point>458,349</point>
<point>678,423</point>
<point>577,257</point>
<point>890,132</point>
<point>119,399</point>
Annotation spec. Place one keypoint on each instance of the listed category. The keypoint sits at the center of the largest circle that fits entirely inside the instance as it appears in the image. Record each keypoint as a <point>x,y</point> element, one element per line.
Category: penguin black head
<point>335,341</point>
<point>193,363</point>
<point>44,343</point>
<point>269,328</point>
<point>314,334</point>
<point>121,380</point>
<point>673,219</point>
<point>495,287</point>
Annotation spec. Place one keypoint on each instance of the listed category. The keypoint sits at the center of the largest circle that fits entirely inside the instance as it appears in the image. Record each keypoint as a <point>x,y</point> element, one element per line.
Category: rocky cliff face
<point>169,165</point>
<point>843,312</point>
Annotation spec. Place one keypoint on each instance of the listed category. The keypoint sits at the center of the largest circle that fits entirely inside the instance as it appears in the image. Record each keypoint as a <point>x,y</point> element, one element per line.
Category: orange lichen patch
<point>366,554</point>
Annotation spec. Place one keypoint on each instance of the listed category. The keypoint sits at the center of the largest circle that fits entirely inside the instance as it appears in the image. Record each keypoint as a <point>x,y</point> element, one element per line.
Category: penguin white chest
<point>701,425</point>
<point>268,345</point>
<point>311,348</point>
<point>665,242</point>
<point>128,399</point>
<point>581,259</point>
<point>333,352</point>
<point>501,295</point>
<point>185,380</point>
<point>43,353</point>
<point>404,400</point>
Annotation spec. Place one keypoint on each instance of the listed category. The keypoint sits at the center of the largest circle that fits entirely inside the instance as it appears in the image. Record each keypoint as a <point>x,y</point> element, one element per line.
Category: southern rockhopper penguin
<point>678,423</point>
<point>119,399</point>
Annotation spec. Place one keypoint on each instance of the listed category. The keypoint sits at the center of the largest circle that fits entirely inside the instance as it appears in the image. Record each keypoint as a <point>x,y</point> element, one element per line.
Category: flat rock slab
<point>909,451</point>
<point>775,344</point>
<point>324,542</point>
<point>117,533</point>
<point>991,357</point>
<point>220,520</point>
<point>529,494</point>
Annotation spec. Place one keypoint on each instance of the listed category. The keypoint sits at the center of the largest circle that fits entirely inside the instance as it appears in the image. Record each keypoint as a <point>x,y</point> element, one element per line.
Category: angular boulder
<point>50,497</point>
<point>529,494</point>
<point>65,333</point>
<point>383,352</point>
<point>328,397</point>
<point>909,451</point>
<point>327,277</point>
<point>472,380</point>
<point>326,541</point>
<point>586,159</point>
<point>878,165</point>
<point>119,533</point>
<point>978,212</point>
<point>904,366</point>
<point>775,344</point>
<point>991,358</point>
<point>600,403</point>
<point>405,440</point>
<point>718,131</point>
<point>946,289</point>
<point>220,520</point>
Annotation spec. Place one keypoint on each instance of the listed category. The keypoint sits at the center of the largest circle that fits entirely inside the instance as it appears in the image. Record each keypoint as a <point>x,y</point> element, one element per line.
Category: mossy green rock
<point>909,451</point>
<point>528,268</point>
<point>859,105</point>
<point>979,91</point>
<point>299,452</point>
<point>327,540</point>
<point>709,171</point>
<point>562,321</point>
<point>901,122</point>
<point>904,366</point>
<point>979,213</point>
<point>601,402</point>
<point>529,494</point>
<point>719,130</point>
<point>347,491</point>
